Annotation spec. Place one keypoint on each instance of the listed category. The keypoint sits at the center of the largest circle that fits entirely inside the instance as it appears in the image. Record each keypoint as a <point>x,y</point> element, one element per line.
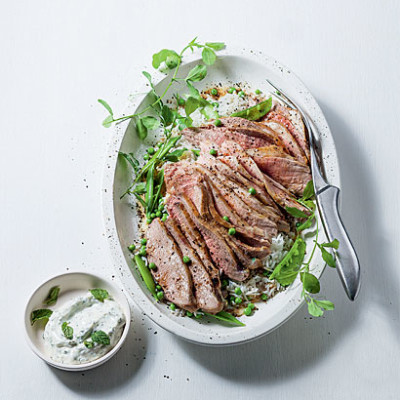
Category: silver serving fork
<point>327,196</point>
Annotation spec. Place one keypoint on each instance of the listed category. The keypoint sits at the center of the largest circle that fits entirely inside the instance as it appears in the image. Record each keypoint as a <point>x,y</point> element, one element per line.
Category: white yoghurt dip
<point>85,315</point>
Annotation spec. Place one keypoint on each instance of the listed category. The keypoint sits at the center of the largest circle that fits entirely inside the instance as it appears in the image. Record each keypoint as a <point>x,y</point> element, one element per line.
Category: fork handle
<point>347,263</point>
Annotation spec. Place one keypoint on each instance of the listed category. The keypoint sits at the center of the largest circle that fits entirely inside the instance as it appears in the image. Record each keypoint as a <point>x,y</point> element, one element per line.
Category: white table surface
<point>58,57</point>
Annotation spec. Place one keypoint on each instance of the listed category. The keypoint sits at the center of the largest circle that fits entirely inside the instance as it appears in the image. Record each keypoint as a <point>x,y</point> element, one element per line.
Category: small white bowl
<point>71,285</point>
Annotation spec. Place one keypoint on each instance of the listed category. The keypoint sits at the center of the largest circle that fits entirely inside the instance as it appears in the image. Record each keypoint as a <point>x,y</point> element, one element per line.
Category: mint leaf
<point>42,313</point>
<point>325,304</point>
<point>295,212</point>
<point>88,344</point>
<point>100,337</point>
<point>208,55</point>
<point>197,73</point>
<point>314,309</point>
<point>99,294</point>
<point>216,45</point>
<point>52,296</point>
<point>150,122</point>
<point>310,282</point>
<point>67,330</point>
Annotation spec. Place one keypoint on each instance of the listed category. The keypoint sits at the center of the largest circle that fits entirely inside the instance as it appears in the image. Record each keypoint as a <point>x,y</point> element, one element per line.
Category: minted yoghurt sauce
<point>85,315</point>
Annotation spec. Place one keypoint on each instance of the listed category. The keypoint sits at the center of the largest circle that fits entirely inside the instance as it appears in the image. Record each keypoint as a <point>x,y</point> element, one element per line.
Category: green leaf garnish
<point>310,282</point>
<point>42,313</point>
<point>99,294</point>
<point>256,112</point>
<point>288,269</point>
<point>150,122</point>
<point>295,212</point>
<point>106,106</point>
<point>52,296</point>
<point>334,244</point>
<point>197,73</point>
<point>67,331</point>
<point>208,55</point>
<point>226,317</point>
<point>328,257</point>
<point>141,129</point>
<point>100,337</point>
<point>308,192</point>
<point>314,309</point>
<point>215,45</point>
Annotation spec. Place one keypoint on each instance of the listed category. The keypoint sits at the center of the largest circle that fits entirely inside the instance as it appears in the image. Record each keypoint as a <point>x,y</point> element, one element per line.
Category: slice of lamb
<point>288,141</point>
<point>280,195</point>
<point>200,199</point>
<point>221,253</point>
<point>233,170</point>
<point>177,211</point>
<point>269,151</point>
<point>293,122</point>
<point>291,174</point>
<point>240,214</point>
<point>170,273</point>
<point>208,298</point>
<point>219,135</point>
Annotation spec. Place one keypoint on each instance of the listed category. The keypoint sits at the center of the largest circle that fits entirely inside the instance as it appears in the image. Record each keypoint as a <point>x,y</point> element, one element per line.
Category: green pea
<point>225,218</point>
<point>214,92</point>
<point>251,305</point>
<point>238,290</point>
<point>258,91</point>
<point>232,299</point>
<point>252,191</point>
<point>161,206</point>
<point>238,300</point>
<point>186,259</point>
<point>158,287</point>
<point>231,231</point>
<point>217,122</point>
<point>172,306</point>
<point>152,265</point>
<point>181,127</point>
<point>160,295</point>
<point>146,157</point>
<point>189,314</point>
<point>149,220</point>
<point>143,241</point>
<point>151,150</point>
<point>164,217</point>
<point>181,101</point>
<point>213,152</point>
<point>231,90</point>
<point>215,104</point>
<point>152,215</point>
<point>241,93</point>
<point>298,224</point>
<point>132,247</point>
<point>142,251</point>
<point>247,311</point>
<point>158,214</point>
<point>264,297</point>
